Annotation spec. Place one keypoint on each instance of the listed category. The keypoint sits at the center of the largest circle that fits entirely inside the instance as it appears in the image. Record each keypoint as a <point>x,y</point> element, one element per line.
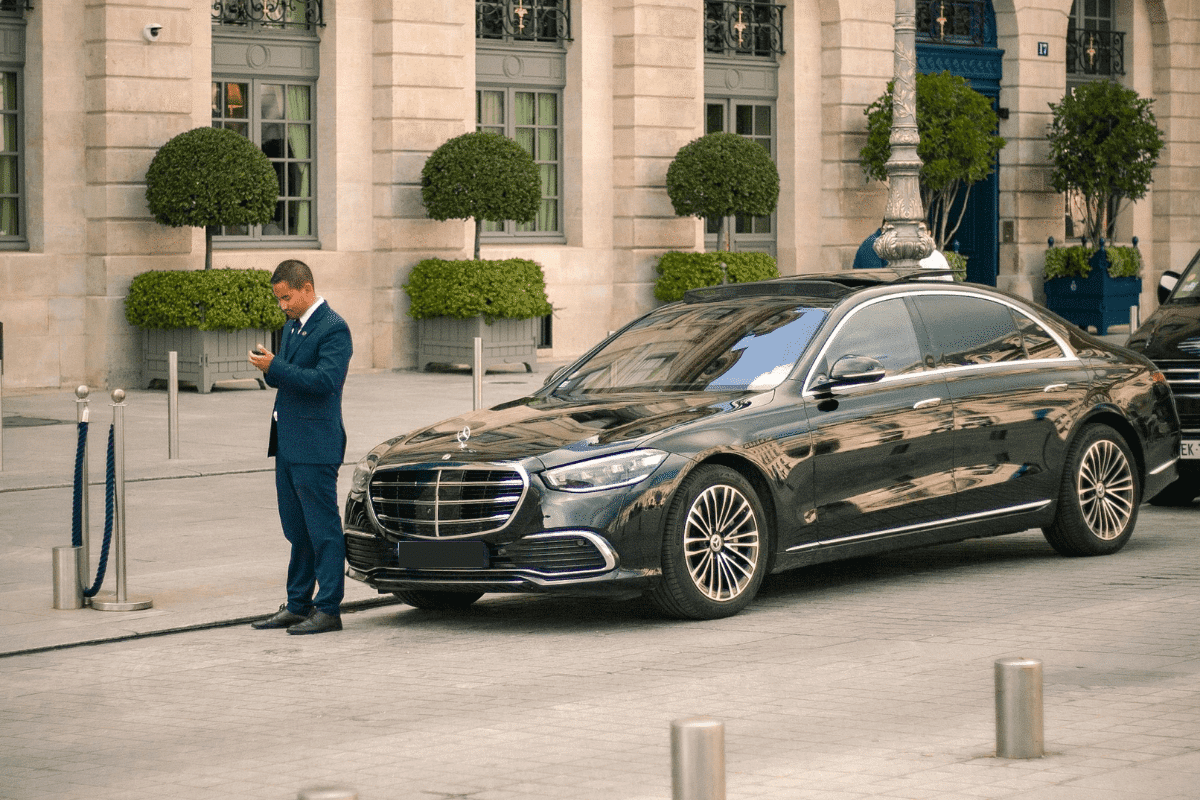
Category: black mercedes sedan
<point>754,428</point>
<point>1170,337</point>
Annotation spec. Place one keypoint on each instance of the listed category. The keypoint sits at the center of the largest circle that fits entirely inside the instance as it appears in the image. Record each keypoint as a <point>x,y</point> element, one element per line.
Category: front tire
<point>437,601</point>
<point>715,546</point>
<point>1098,501</point>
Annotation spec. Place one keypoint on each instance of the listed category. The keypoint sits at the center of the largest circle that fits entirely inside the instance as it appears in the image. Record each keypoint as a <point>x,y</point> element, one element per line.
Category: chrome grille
<point>1184,379</point>
<point>445,502</point>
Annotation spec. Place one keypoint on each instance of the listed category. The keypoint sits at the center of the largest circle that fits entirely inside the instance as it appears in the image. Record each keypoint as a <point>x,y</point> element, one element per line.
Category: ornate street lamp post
<point>905,239</point>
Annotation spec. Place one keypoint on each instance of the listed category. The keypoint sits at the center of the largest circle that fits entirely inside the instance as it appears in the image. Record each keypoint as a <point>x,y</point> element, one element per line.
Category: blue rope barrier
<point>109,502</point>
<point>77,496</point>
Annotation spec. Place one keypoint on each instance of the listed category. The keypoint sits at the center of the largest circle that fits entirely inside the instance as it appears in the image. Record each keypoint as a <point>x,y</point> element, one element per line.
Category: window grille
<point>743,28</point>
<point>523,20</point>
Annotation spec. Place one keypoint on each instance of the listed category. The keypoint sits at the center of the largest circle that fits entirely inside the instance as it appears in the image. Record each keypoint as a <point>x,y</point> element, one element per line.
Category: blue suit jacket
<point>309,374</point>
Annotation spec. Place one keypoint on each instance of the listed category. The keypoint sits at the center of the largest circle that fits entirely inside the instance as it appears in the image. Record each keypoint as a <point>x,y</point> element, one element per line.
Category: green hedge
<point>678,272</point>
<point>513,288</point>
<point>958,263</point>
<point>216,299</point>
<point>1075,262</point>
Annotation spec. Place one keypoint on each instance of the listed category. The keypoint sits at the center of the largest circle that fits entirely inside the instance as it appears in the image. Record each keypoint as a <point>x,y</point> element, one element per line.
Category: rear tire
<point>715,546</point>
<point>437,601</point>
<point>1098,501</point>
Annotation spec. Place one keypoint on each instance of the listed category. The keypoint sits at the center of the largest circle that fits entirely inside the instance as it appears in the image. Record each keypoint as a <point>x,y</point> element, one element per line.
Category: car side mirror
<point>557,375</point>
<point>1166,285</point>
<point>851,371</point>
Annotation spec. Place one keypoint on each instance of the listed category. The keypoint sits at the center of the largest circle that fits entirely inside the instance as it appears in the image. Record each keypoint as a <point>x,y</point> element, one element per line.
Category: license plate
<point>442,555</point>
<point>1190,449</point>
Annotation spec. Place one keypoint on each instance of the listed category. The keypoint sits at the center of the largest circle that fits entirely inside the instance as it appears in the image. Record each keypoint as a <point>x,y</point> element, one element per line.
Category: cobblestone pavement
<point>865,679</point>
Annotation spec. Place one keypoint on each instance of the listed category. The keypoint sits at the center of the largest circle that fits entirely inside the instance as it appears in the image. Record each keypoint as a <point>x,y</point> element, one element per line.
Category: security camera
<point>152,31</point>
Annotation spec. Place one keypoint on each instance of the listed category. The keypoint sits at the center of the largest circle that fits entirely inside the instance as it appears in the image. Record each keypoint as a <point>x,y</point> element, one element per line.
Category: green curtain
<point>299,135</point>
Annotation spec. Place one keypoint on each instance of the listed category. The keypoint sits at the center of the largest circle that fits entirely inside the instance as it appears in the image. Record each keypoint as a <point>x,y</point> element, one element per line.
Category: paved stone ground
<point>867,679</point>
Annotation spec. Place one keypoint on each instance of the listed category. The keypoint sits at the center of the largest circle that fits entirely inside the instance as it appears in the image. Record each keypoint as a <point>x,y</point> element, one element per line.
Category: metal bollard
<point>119,601</point>
<point>68,591</point>
<point>172,404</point>
<point>698,759</point>
<point>477,376</point>
<point>1019,731</point>
<point>82,414</point>
<point>1135,314</point>
<point>327,793</point>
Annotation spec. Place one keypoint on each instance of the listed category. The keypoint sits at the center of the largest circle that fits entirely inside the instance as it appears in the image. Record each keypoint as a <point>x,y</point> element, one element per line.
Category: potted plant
<point>1093,286</point>
<point>211,318</point>
<point>207,177</point>
<point>1104,145</point>
<point>497,301</point>
<point>680,271</point>
<point>722,175</point>
<point>958,148</point>
<point>479,176</point>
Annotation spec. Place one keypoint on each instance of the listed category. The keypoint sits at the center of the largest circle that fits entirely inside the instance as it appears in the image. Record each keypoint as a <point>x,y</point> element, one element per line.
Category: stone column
<point>424,94</point>
<point>658,106</point>
<point>137,95</point>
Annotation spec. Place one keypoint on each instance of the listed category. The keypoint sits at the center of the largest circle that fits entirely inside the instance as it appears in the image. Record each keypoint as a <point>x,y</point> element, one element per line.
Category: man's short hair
<point>294,273</point>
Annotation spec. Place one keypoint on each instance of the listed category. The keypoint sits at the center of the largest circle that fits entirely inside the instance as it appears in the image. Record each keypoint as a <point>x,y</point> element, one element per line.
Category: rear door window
<point>965,331</point>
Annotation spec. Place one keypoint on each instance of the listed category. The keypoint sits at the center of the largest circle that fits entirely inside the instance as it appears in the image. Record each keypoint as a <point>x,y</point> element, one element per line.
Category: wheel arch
<point>1108,416</point>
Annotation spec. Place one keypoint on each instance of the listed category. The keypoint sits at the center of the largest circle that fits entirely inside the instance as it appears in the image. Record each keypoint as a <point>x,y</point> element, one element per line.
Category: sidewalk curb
<point>347,608</point>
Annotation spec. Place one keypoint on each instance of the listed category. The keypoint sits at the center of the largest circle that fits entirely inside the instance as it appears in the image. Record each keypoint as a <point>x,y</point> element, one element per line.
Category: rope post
<point>173,404</point>
<point>1019,732</point>
<point>477,375</point>
<point>698,759</point>
<point>120,602</point>
<point>81,413</point>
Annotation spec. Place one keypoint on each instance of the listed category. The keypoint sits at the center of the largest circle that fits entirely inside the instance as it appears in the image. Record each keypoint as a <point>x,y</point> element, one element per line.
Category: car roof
<point>828,286</point>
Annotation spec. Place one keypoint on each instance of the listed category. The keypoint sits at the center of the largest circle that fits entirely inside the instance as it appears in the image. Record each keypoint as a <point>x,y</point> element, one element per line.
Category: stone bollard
<point>1019,731</point>
<point>698,759</point>
<point>327,793</point>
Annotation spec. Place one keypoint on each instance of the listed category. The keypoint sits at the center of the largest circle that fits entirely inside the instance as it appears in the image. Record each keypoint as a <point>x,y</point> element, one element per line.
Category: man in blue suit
<point>308,442</point>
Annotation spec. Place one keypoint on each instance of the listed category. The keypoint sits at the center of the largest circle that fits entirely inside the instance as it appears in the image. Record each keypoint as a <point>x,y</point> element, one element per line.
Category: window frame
<point>509,230</point>
<point>254,122</point>
<point>20,239</point>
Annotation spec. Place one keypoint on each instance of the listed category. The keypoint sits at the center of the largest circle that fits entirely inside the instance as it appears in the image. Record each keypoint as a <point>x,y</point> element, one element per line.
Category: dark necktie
<point>291,342</point>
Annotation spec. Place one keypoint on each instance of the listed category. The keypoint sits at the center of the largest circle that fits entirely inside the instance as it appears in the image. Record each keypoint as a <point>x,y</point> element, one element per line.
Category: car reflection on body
<point>760,427</point>
<point>1170,337</point>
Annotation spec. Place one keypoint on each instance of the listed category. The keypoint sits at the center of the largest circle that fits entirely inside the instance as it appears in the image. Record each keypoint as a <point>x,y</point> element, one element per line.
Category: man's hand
<point>261,357</point>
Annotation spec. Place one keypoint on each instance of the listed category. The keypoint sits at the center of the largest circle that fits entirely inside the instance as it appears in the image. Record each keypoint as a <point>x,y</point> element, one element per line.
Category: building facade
<point>349,97</point>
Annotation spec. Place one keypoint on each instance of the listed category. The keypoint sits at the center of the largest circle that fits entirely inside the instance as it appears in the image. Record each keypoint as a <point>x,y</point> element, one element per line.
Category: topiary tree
<point>722,175</point>
<point>958,145</point>
<point>211,176</point>
<point>1104,145</point>
<point>481,176</point>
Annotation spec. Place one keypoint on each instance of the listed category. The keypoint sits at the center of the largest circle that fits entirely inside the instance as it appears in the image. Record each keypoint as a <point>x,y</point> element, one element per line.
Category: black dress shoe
<point>280,619</point>
<point>319,622</point>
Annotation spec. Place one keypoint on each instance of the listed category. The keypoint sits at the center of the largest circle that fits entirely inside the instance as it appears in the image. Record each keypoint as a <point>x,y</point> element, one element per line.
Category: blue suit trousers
<point>308,510</point>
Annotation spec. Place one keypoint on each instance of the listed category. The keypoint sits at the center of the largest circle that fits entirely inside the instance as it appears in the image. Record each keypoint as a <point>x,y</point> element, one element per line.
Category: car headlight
<point>364,468</point>
<point>608,472</point>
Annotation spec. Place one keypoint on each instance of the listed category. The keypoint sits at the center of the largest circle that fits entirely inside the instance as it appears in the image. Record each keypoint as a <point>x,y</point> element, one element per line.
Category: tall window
<point>531,118</point>
<point>1095,49</point>
<point>755,121</point>
<point>12,224</point>
<point>277,116</point>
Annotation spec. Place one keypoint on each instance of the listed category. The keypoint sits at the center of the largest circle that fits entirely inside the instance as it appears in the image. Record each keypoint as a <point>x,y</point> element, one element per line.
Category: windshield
<point>730,345</point>
<point>1188,288</point>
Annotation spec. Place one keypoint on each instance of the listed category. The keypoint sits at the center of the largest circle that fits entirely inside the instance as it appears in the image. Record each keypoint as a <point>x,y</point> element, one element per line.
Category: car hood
<point>544,432</point>
<point>1172,332</point>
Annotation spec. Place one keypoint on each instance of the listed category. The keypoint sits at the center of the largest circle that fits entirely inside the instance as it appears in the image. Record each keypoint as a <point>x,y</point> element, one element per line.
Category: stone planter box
<point>446,340</point>
<point>204,356</point>
<point>1097,300</point>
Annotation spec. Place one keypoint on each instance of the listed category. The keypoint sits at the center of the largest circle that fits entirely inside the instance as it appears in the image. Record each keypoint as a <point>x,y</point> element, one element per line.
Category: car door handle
<point>1056,387</point>
<point>930,403</point>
